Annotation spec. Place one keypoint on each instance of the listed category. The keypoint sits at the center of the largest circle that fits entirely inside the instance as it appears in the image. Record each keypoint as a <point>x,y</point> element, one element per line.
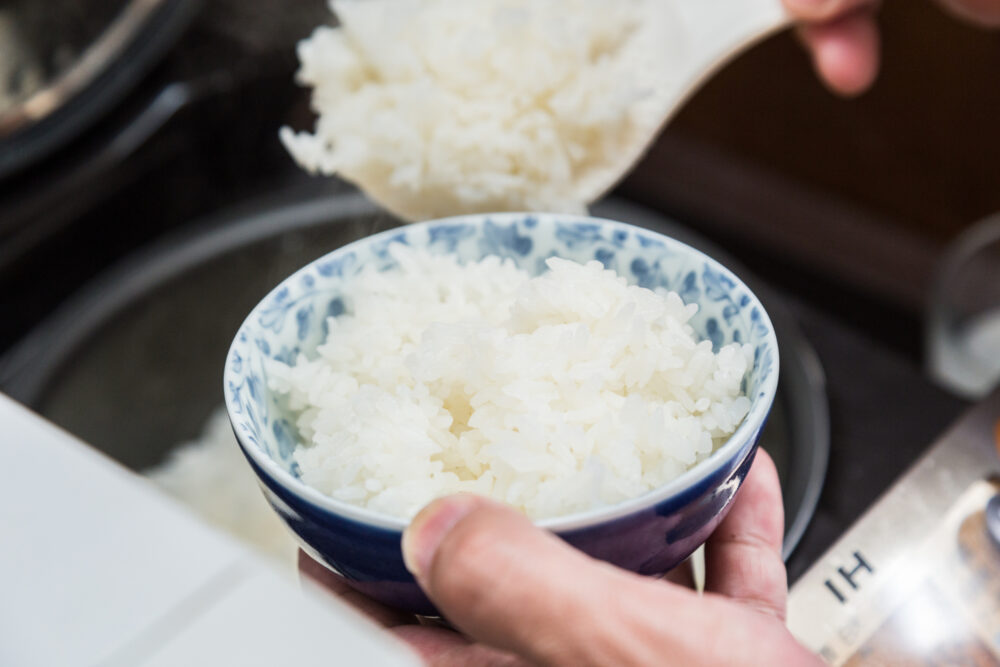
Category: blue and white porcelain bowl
<point>649,534</point>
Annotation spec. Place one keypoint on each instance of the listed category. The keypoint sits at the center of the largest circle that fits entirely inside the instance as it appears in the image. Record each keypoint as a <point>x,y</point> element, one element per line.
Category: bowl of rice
<point>607,381</point>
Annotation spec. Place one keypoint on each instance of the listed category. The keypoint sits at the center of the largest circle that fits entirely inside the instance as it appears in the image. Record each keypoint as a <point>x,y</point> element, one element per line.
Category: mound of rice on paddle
<point>441,107</point>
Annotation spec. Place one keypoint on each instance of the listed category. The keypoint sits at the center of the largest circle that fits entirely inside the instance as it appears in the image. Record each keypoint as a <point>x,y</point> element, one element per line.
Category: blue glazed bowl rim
<point>738,444</point>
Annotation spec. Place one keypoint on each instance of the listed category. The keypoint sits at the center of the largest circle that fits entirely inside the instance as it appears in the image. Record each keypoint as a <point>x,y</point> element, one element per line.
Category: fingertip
<point>506,582</point>
<point>429,527</point>
<point>845,52</point>
<point>824,10</point>
<point>744,554</point>
<point>757,514</point>
<point>765,470</point>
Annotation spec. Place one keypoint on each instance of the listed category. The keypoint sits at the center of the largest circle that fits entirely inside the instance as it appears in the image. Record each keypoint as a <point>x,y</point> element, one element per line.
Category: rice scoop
<point>555,394</point>
<point>441,107</point>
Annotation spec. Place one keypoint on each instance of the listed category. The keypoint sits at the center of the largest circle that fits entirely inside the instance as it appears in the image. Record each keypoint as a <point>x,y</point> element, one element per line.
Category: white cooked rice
<point>555,394</point>
<point>439,107</point>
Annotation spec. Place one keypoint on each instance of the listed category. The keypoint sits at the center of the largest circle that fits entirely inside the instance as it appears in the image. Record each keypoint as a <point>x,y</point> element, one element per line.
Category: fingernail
<point>808,5</point>
<point>423,536</point>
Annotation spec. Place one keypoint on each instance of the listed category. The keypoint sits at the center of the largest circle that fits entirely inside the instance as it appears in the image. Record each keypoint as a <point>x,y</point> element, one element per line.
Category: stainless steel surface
<point>906,543</point>
<point>963,315</point>
<point>993,519</point>
<point>117,366</point>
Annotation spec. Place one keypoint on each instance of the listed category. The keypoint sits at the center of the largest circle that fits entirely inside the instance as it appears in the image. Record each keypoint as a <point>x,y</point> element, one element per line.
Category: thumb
<point>507,583</point>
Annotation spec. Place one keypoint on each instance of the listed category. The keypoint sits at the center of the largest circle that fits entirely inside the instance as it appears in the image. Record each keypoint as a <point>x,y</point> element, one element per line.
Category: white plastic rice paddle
<point>707,35</point>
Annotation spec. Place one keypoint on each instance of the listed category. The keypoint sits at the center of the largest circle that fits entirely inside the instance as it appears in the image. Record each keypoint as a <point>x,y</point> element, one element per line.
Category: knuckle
<point>762,582</point>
